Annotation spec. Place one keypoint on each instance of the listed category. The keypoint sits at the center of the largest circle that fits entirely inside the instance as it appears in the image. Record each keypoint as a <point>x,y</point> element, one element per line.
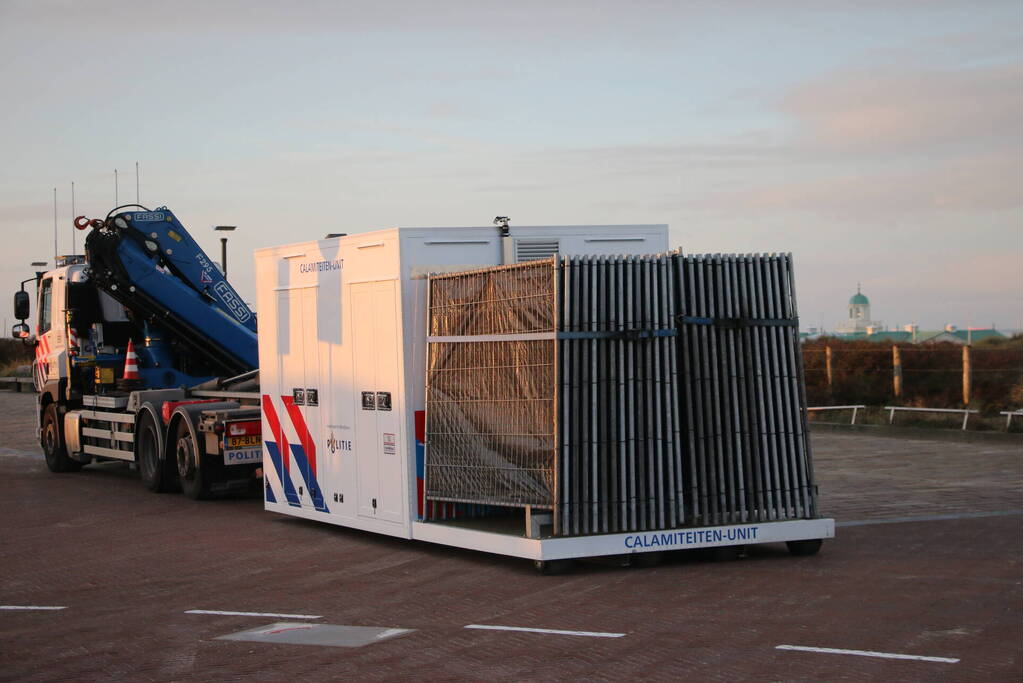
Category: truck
<point>145,354</point>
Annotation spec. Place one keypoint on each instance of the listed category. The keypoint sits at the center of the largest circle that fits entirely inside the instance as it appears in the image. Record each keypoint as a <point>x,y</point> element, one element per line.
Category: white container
<point>342,350</point>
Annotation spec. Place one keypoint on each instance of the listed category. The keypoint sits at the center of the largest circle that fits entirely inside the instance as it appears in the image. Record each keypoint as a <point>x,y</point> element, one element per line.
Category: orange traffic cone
<point>131,363</point>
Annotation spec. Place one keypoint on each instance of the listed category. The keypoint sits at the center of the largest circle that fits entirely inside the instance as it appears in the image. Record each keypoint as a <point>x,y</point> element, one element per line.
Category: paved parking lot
<point>928,564</point>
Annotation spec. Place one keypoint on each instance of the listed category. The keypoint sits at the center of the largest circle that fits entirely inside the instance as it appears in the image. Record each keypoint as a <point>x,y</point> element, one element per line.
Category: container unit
<point>349,338</point>
<point>342,350</point>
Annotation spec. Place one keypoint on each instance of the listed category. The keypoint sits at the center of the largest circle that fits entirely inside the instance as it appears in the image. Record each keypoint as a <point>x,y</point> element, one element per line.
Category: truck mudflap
<point>169,407</point>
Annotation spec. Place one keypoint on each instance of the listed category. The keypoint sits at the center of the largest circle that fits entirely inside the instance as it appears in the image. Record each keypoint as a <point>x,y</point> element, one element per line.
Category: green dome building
<point>858,299</point>
<point>859,321</point>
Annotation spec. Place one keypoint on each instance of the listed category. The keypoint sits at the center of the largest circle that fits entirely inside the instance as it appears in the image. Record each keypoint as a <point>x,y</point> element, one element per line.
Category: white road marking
<point>253,614</point>
<point>293,627</point>
<point>867,653</point>
<point>37,607</point>
<point>591,634</point>
<point>392,632</point>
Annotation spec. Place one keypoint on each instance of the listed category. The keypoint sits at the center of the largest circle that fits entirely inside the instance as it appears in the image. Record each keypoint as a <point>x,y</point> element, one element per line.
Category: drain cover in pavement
<point>331,635</point>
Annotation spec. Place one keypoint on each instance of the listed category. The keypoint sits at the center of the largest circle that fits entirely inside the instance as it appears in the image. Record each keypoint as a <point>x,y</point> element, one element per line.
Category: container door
<point>377,423</point>
<point>389,421</point>
<point>306,399</point>
<point>296,352</point>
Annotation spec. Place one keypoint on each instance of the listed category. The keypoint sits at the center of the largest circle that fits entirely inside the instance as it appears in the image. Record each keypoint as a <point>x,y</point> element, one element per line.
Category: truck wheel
<point>52,439</point>
<point>193,476</point>
<point>158,474</point>
<point>804,548</point>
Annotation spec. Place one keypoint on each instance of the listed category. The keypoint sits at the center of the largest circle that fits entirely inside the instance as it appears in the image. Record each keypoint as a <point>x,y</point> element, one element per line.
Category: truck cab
<point>79,332</point>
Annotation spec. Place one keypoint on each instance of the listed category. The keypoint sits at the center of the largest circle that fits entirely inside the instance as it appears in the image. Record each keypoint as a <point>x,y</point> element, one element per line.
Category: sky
<point>879,142</point>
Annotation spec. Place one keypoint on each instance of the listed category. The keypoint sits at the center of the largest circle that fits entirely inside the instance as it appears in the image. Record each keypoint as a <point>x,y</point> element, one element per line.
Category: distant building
<point>961,337</point>
<point>938,336</point>
<point>860,326</point>
<point>972,335</point>
<point>859,321</point>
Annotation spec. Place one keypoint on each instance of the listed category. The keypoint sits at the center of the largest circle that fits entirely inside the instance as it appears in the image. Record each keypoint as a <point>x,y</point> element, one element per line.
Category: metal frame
<point>597,545</point>
<point>109,433</point>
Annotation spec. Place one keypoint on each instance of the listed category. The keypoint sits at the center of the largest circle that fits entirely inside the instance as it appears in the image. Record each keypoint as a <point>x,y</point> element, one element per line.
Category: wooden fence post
<point>967,375</point>
<point>827,365</point>
<point>897,371</point>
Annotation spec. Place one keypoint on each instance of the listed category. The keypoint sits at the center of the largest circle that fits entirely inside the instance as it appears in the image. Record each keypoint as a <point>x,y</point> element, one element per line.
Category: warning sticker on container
<point>369,400</point>
<point>390,446</point>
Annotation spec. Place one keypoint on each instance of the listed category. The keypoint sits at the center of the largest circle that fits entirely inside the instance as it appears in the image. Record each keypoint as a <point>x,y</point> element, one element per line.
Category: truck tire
<point>51,437</point>
<point>158,474</point>
<point>195,478</point>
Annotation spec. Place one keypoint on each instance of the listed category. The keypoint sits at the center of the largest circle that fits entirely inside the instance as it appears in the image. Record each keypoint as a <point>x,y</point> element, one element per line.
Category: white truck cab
<point>57,337</point>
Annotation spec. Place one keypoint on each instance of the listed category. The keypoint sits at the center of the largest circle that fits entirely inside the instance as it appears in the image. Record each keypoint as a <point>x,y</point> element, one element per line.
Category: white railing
<point>966,413</point>
<point>1009,414</point>
<point>17,382</point>
<point>854,409</point>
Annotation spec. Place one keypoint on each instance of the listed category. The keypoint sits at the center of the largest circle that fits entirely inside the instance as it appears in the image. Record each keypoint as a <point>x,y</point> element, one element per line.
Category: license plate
<point>243,456</point>
<point>239,450</point>
<point>245,441</point>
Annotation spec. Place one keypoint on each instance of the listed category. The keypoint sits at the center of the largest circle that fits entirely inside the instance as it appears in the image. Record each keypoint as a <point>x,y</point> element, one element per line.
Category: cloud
<point>890,113</point>
<point>987,182</point>
<point>881,144</point>
<point>733,151</point>
<point>524,187</point>
<point>653,171</point>
<point>493,19</point>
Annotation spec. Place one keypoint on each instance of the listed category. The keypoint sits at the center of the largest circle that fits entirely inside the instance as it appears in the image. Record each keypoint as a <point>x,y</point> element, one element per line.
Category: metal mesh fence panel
<point>491,425</point>
<point>500,300</point>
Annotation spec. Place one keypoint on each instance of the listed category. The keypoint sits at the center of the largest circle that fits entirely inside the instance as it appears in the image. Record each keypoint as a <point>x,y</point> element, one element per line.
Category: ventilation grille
<point>533,250</point>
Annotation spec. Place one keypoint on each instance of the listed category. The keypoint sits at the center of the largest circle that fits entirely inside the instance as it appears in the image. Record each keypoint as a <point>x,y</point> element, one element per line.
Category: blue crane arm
<point>186,259</point>
<point>149,262</point>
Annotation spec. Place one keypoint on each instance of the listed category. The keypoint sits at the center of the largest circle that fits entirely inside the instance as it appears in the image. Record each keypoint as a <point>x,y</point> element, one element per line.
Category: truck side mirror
<point>21,305</point>
<point>20,331</point>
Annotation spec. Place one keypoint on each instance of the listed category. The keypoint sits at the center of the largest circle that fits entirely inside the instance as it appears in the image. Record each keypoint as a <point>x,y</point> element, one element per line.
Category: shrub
<point>931,373</point>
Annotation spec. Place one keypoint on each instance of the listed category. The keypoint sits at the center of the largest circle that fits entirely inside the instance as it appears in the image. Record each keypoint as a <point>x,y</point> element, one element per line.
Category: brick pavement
<point>866,477</point>
<point>128,563</point>
<point>17,423</point>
